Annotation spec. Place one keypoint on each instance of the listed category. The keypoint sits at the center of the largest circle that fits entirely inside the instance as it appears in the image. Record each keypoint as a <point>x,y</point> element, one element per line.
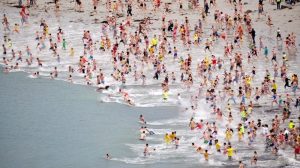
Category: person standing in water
<point>206,155</point>
<point>146,150</point>
<point>143,136</point>
<point>142,119</point>
<point>254,158</point>
<point>176,143</point>
<point>241,164</point>
<point>230,151</point>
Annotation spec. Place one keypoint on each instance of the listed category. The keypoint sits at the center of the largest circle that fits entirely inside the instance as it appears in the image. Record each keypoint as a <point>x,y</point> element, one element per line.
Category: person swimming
<point>107,157</point>
<point>99,89</point>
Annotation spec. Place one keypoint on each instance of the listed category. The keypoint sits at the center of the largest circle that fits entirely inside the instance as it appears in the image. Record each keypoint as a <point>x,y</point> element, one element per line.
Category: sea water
<point>49,124</point>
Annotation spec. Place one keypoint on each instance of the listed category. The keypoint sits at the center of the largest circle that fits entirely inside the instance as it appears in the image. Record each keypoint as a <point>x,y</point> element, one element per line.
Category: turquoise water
<point>47,123</point>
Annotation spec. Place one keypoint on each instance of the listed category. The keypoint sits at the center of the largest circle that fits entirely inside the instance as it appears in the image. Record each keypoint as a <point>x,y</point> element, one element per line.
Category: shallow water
<point>49,124</point>
<point>46,123</point>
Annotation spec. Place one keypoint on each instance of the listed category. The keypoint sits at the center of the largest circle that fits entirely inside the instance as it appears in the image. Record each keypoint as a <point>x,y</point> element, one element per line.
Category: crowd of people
<point>220,54</point>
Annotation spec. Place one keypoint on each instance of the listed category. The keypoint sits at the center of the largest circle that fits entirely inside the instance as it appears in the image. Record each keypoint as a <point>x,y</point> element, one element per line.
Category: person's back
<point>241,165</point>
<point>230,152</point>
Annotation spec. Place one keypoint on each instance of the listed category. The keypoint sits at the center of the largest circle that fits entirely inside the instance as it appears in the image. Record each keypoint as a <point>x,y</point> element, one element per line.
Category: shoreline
<point>34,135</point>
<point>226,95</point>
<point>118,158</point>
